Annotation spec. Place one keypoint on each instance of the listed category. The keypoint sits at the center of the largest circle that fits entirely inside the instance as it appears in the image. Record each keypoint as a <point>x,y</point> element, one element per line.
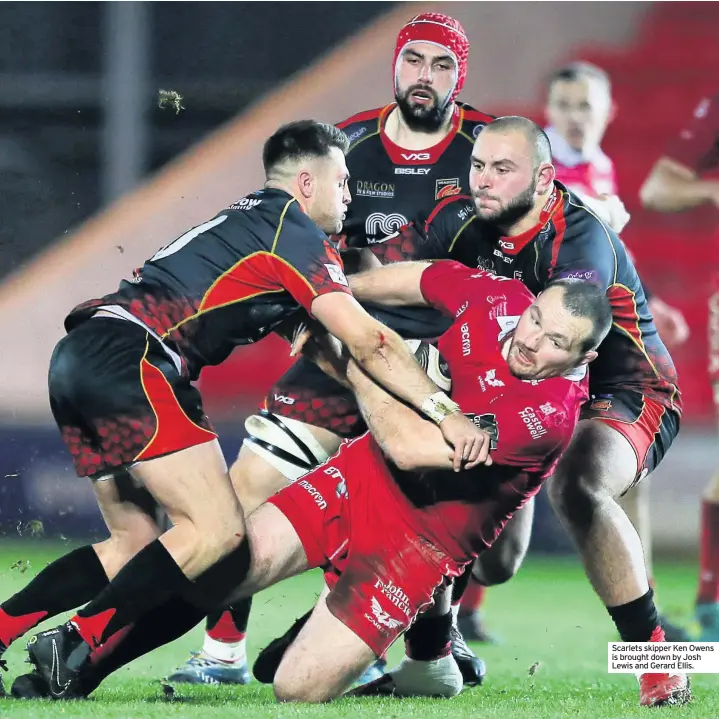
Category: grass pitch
<point>547,616</point>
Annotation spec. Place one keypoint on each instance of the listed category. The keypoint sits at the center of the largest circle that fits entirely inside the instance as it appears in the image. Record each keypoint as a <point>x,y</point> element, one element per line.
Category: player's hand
<point>326,351</point>
<point>670,323</point>
<point>300,336</point>
<point>618,215</point>
<point>471,445</point>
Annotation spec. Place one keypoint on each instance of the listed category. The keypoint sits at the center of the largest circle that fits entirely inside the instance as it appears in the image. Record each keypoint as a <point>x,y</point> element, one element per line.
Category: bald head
<point>511,173</point>
<point>535,137</point>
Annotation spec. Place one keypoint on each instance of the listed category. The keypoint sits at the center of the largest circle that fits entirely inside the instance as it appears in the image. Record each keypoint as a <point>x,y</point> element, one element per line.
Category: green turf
<point>548,614</point>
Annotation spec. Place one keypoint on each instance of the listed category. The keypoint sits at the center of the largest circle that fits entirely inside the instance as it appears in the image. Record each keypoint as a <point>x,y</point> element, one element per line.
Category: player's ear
<point>612,112</point>
<point>545,177</point>
<point>306,183</point>
<point>589,357</point>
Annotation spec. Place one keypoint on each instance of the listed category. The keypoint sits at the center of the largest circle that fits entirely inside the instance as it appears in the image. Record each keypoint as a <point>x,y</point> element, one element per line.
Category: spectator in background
<point>676,183</point>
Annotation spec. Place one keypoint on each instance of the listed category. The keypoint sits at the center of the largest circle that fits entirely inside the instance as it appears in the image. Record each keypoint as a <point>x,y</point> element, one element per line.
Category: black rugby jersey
<point>569,241</point>
<point>231,280</point>
<point>390,185</point>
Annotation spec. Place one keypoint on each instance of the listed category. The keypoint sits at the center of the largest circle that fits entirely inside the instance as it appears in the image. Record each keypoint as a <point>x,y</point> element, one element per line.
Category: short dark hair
<point>587,299</point>
<point>534,134</point>
<point>577,71</point>
<point>302,139</point>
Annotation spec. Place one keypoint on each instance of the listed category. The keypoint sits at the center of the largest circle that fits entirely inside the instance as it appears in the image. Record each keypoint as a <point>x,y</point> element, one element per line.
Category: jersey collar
<point>429,156</point>
<point>514,245</point>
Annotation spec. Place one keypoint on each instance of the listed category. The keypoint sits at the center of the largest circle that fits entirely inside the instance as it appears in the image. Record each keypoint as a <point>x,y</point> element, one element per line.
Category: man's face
<point>331,195</point>
<point>502,178</point>
<point>425,76</point>
<point>580,110</point>
<point>548,339</point>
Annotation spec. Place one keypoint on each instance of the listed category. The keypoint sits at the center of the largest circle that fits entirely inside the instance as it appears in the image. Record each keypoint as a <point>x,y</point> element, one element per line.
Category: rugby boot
<point>472,667</point>
<point>269,659</point>
<point>58,656</point>
<point>201,668</point>
<point>663,689</point>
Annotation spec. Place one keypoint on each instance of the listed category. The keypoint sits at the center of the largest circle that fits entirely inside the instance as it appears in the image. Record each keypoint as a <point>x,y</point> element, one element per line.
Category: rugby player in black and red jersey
<point>121,392</point>
<point>402,159</point>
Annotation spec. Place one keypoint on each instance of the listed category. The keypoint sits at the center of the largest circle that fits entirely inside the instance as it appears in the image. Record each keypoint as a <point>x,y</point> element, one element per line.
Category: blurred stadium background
<point>95,176</point>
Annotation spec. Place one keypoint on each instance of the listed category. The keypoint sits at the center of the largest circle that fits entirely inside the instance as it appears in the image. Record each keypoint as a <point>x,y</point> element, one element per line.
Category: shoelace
<point>197,660</point>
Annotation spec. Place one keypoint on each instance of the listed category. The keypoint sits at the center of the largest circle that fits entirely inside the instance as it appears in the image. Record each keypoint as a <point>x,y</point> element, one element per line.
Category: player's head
<point>579,104</point>
<point>511,170</point>
<point>430,66</point>
<point>307,158</point>
<point>560,331</point>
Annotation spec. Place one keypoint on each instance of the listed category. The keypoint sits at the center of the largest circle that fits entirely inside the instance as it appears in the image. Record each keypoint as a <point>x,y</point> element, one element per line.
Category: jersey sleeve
<point>585,250</point>
<point>305,263</point>
<point>697,145</point>
<point>450,286</point>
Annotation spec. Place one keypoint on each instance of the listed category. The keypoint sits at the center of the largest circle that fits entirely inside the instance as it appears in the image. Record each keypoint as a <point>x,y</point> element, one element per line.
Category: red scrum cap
<point>440,30</point>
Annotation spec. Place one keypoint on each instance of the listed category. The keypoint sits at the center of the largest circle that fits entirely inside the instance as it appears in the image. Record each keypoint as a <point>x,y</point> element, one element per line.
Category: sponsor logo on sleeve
<point>586,275</point>
<point>466,340</point>
<point>357,134</point>
<point>336,275</point>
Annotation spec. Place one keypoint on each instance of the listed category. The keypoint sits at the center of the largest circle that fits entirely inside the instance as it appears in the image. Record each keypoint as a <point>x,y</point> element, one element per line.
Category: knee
<point>575,492</point>
<point>291,689</point>
<point>217,534</point>
<point>497,567</point>
<point>227,533</point>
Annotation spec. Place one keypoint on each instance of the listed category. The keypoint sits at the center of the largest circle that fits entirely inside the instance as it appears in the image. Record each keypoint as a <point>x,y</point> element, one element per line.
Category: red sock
<point>13,627</point>
<point>225,630</point>
<point>709,554</point>
<point>472,598</point>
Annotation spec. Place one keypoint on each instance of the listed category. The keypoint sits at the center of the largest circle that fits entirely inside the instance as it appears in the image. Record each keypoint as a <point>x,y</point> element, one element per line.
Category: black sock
<point>429,637</point>
<point>158,627</point>
<point>636,620</point>
<point>65,584</point>
<point>461,583</point>
<point>216,586</point>
<point>230,631</point>
<point>148,580</point>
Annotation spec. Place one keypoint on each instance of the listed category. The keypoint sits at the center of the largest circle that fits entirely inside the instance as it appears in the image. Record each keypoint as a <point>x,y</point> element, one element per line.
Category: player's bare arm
<point>412,443</point>
<point>383,354</point>
<point>673,187</point>
<point>395,284</point>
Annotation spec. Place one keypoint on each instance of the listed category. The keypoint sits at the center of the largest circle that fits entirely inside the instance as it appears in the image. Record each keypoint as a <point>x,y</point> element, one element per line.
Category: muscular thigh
<point>276,550</point>
<point>647,427</point>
